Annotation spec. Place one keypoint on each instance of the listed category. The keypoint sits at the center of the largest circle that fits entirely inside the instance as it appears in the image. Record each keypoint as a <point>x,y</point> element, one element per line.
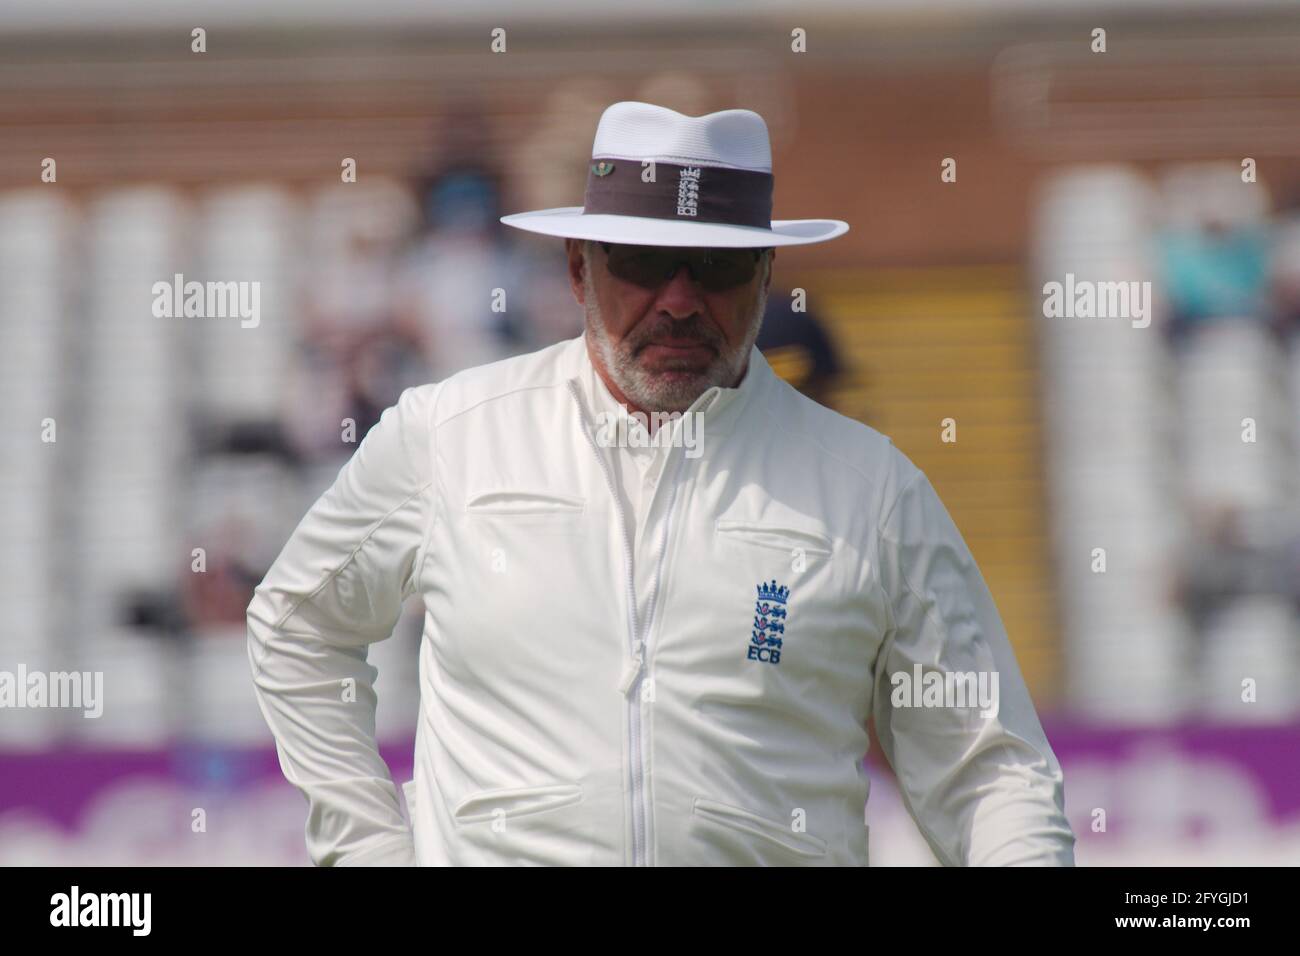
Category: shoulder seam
<point>330,575</point>
<point>432,456</point>
<point>879,529</point>
<point>496,397</point>
<point>348,560</point>
<point>884,519</point>
<point>829,454</point>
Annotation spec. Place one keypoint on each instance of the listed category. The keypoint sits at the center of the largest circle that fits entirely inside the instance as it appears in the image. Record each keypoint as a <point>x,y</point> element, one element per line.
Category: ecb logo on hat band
<point>736,196</point>
<point>688,191</point>
<point>769,624</point>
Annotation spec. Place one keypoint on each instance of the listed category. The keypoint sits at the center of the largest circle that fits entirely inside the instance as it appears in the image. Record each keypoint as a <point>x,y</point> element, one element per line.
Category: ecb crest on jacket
<point>769,623</point>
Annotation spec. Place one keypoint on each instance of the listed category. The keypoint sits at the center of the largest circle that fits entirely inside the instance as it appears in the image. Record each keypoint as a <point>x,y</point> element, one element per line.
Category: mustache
<point>694,329</point>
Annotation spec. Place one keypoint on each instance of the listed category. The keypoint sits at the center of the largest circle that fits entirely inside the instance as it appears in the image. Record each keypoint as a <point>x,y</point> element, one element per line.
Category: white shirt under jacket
<point>587,699</point>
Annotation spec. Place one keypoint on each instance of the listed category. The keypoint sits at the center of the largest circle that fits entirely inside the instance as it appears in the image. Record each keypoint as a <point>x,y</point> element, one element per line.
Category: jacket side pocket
<point>752,824</point>
<point>515,802</point>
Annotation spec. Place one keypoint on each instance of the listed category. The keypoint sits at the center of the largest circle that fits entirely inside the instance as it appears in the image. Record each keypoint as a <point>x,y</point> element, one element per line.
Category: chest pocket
<point>522,502</point>
<point>525,508</point>
<point>777,537</point>
<point>512,558</point>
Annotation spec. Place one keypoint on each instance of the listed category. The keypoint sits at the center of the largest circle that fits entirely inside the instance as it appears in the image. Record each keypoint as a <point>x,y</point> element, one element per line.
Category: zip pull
<point>633,669</point>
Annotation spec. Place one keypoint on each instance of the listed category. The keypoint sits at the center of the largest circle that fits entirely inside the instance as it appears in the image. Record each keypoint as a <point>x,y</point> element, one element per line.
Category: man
<point>648,648</point>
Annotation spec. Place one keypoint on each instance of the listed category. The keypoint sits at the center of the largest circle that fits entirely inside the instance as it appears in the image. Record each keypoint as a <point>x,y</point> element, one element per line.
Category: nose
<point>680,297</point>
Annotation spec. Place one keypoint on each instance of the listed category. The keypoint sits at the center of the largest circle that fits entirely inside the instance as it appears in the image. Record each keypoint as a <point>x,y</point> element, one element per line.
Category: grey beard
<point>654,393</point>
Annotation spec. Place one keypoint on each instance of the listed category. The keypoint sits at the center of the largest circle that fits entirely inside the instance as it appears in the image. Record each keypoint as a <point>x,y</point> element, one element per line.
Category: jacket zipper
<point>638,669</point>
<point>635,644</point>
<point>630,680</point>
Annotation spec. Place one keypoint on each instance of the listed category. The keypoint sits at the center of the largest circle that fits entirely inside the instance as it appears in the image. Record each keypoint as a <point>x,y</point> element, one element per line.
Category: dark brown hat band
<point>739,197</point>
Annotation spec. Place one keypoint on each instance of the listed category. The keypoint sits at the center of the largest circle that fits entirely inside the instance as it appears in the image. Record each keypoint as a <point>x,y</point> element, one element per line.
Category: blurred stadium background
<point>1073,434</point>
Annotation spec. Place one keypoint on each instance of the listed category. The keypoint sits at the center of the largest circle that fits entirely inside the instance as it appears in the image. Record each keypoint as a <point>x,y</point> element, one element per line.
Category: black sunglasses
<point>716,270</point>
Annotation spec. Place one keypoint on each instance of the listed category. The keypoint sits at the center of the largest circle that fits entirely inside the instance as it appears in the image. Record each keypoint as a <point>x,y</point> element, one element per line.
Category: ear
<point>771,261</point>
<point>576,263</point>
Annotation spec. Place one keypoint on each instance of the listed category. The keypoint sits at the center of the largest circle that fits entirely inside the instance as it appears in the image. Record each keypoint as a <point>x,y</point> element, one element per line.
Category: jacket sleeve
<point>981,783</point>
<point>337,586</point>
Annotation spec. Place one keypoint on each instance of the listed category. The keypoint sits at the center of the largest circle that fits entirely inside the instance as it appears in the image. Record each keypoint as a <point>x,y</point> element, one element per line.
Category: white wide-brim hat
<point>660,178</point>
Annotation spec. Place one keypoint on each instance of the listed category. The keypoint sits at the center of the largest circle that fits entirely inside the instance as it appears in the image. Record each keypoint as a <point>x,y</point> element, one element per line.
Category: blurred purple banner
<point>1188,795</point>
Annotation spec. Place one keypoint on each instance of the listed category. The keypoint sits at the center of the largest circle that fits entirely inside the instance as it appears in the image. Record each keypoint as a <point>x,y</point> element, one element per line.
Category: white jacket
<point>555,727</point>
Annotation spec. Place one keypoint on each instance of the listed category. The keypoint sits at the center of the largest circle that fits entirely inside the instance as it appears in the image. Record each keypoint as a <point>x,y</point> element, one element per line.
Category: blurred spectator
<point>220,595</point>
<point>1216,272</point>
<point>463,285</point>
<point>1235,554</point>
<point>356,356</point>
<point>798,347</point>
<point>1286,266</point>
<point>1215,253</point>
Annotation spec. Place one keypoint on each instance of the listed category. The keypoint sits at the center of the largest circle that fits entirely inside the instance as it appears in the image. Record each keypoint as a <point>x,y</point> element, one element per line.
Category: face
<point>659,349</point>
